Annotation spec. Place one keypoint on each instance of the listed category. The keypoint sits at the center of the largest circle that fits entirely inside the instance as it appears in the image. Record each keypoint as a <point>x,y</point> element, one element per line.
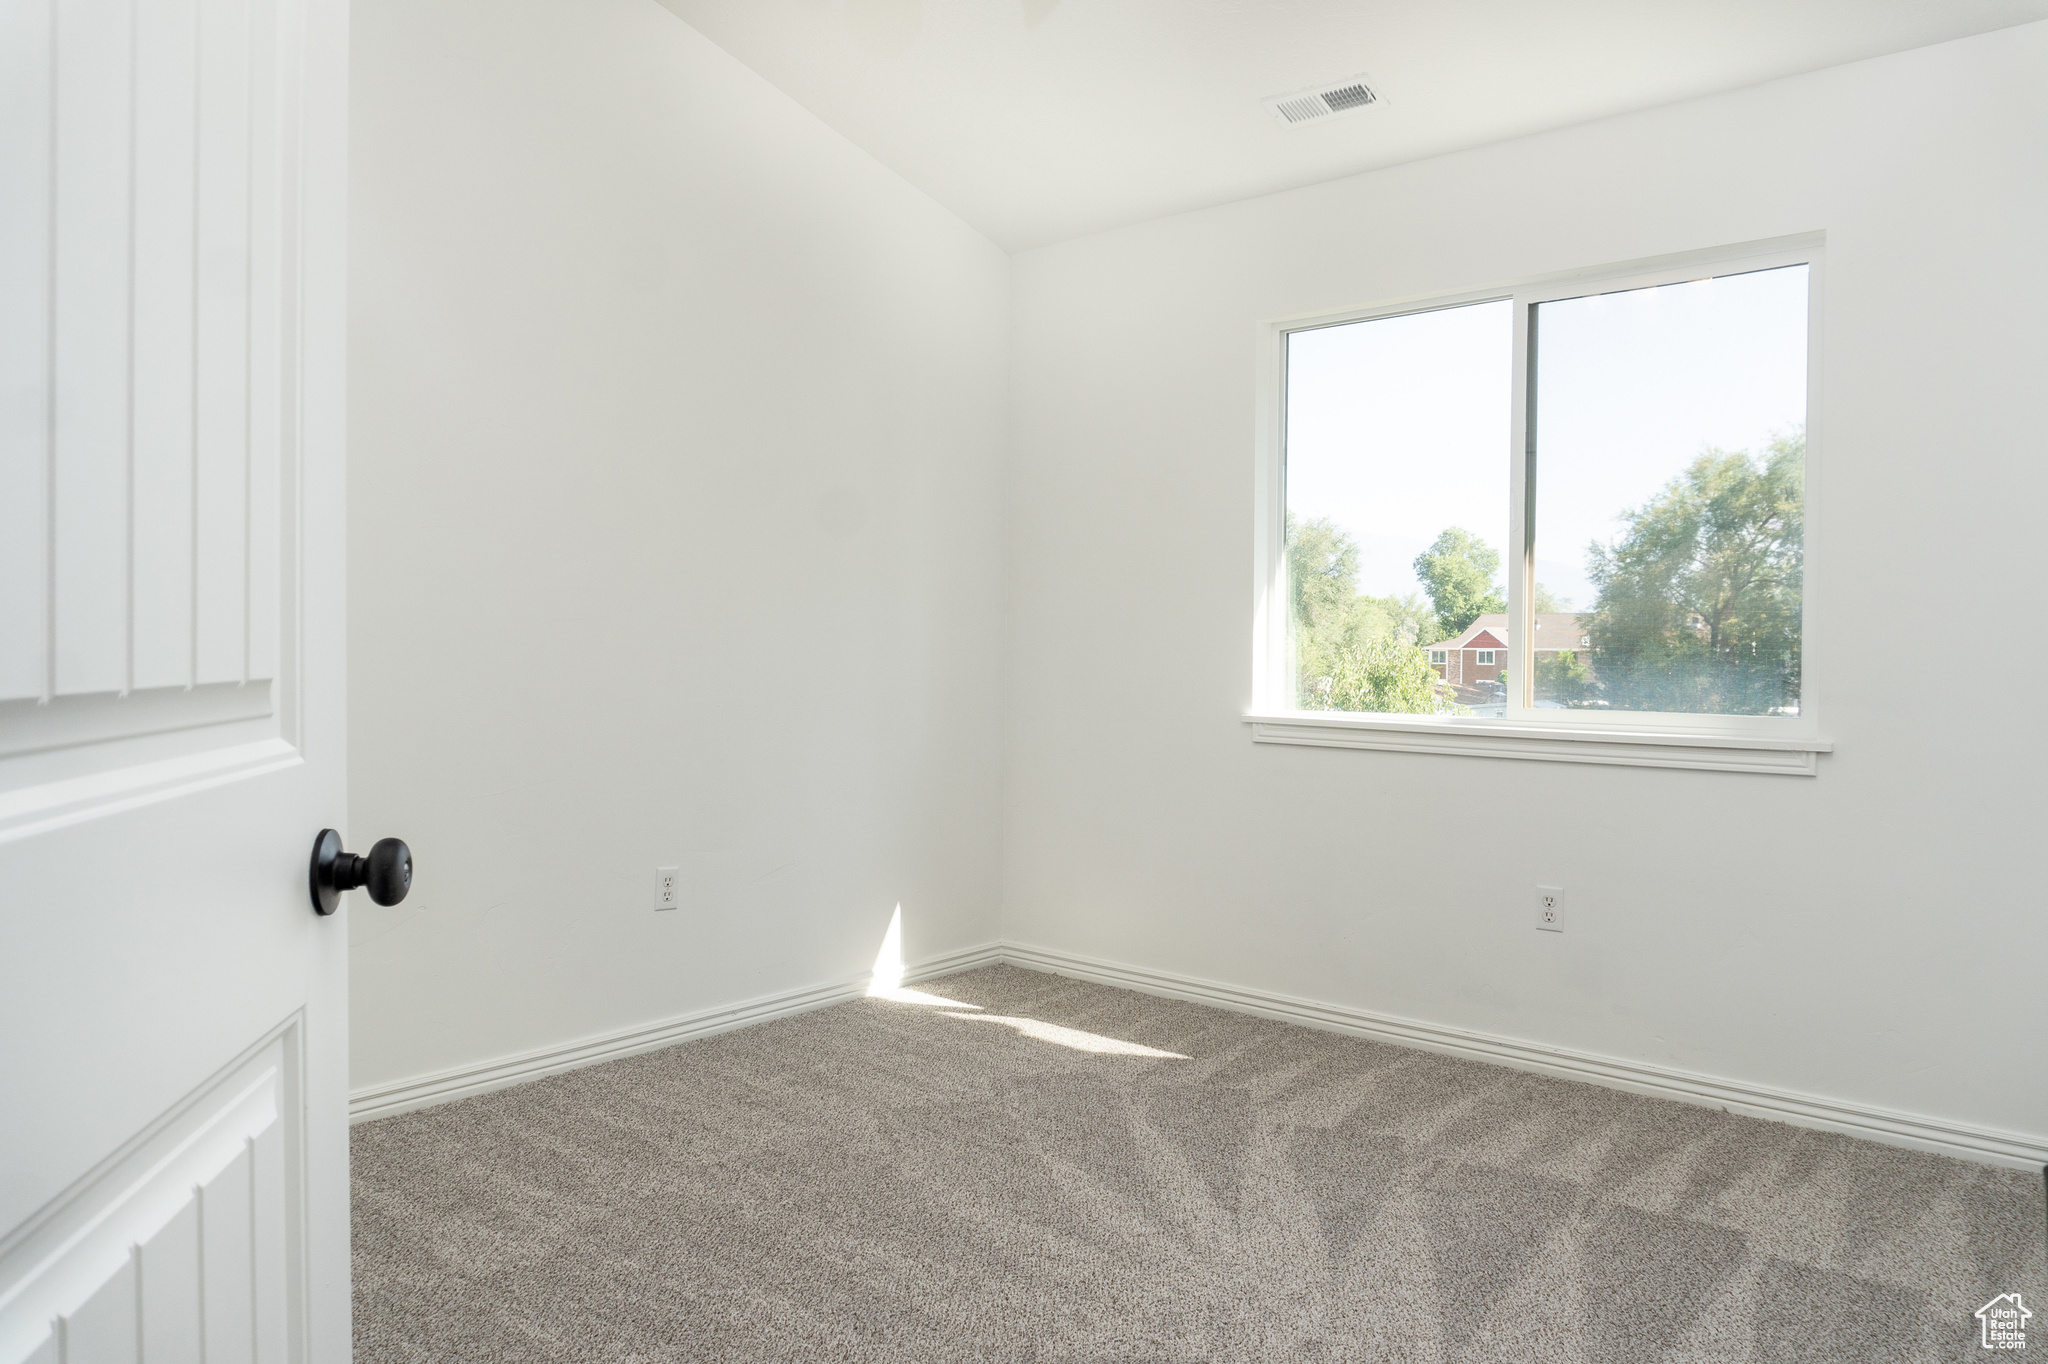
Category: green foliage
<point>1381,677</point>
<point>1322,571</point>
<point>1564,678</point>
<point>1408,619</point>
<point>1698,609</point>
<point>1699,606</point>
<point>1354,652</point>
<point>1457,571</point>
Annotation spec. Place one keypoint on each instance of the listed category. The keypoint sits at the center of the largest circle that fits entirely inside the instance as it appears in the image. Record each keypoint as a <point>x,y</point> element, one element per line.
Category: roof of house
<point>1554,630</point>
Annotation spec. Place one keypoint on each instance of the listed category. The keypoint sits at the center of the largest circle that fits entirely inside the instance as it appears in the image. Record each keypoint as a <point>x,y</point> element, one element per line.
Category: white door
<point>173,1141</point>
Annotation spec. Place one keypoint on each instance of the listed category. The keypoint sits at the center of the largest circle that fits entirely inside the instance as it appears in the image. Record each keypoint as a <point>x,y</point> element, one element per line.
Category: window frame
<point>1645,738</point>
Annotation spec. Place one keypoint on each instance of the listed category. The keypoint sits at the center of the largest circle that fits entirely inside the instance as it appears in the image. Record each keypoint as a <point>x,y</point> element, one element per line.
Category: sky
<point>1399,427</point>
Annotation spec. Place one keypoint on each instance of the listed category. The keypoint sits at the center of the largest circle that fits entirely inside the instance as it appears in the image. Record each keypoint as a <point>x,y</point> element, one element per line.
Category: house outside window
<point>1599,612</point>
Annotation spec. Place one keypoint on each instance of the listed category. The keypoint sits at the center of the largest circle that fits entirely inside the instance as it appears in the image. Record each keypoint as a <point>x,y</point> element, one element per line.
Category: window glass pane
<point>1669,535</point>
<point>1397,510</point>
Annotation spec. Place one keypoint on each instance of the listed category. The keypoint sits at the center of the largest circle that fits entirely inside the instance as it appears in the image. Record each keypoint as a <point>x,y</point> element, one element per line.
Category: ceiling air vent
<point>1324,101</point>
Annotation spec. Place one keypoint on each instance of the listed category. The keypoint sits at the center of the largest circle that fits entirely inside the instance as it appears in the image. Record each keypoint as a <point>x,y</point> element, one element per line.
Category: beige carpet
<point>1026,1180</point>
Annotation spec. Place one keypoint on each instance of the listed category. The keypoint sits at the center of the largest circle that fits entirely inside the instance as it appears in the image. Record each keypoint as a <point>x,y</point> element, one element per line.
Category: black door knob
<point>387,871</point>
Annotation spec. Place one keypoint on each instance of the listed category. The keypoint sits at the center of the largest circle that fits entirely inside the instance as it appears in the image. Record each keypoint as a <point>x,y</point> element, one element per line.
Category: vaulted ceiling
<point>1039,120</point>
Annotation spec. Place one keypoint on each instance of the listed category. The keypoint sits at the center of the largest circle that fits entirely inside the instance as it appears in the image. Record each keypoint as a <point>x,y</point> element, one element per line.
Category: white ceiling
<point>1039,120</point>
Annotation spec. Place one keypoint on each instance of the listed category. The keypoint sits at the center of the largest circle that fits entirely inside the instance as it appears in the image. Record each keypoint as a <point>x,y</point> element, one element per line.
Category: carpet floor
<point>1030,1168</point>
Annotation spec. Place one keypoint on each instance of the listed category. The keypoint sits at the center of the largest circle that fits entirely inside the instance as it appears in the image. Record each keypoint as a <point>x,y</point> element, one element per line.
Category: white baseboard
<point>1984,1145</point>
<point>421,1091</point>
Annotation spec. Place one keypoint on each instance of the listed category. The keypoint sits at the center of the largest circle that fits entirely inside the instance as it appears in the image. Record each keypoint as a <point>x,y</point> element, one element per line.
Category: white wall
<point>1871,934</point>
<point>674,499</point>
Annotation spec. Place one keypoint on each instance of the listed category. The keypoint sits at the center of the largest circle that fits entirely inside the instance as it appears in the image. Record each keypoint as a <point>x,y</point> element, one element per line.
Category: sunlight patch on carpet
<point>1072,1037</point>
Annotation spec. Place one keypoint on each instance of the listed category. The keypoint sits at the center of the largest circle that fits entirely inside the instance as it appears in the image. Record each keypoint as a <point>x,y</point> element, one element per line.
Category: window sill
<point>1791,756</point>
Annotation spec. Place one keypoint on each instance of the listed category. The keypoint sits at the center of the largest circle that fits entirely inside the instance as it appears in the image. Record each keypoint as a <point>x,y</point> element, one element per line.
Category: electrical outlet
<point>1550,908</point>
<point>667,894</point>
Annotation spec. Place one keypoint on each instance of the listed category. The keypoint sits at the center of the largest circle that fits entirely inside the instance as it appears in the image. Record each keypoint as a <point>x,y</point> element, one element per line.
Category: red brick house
<point>1479,654</point>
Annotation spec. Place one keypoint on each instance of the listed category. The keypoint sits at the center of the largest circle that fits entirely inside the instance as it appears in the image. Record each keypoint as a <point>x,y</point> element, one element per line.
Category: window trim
<point>1721,742</point>
<point>1484,658</point>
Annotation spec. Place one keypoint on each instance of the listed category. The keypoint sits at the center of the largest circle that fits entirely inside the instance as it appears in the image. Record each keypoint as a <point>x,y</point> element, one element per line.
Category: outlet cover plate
<point>668,889</point>
<point>1550,909</point>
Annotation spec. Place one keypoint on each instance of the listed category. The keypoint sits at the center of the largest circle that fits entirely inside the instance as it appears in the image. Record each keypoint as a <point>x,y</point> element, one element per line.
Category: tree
<point>1381,677</point>
<point>1699,606</point>
<point>1322,570</point>
<point>1409,619</point>
<point>1548,602</point>
<point>1353,652</point>
<point>1563,677</point>
<point>1457,572</point>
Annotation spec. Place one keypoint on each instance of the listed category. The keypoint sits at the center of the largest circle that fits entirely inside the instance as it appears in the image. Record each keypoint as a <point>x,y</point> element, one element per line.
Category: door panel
<point>25,144</point>
<point>177,1240</point>
<point>155,324</point>
<point>173,1023</point>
